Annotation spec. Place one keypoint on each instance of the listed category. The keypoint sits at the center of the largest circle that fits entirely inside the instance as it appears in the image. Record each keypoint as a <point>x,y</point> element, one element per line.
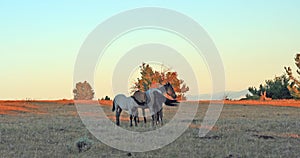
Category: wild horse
<point>155,98</point>
<point>130,104</point>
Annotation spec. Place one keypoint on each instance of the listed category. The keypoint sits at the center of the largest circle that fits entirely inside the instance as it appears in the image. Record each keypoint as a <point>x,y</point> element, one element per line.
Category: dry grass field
<point>52,128</point>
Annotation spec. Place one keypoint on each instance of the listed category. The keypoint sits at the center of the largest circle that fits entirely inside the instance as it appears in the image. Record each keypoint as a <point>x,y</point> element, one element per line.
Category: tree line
<point>286,86</point>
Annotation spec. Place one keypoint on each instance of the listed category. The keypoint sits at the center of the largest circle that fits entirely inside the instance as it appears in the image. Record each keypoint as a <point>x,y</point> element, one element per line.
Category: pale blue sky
<point>40,40</point>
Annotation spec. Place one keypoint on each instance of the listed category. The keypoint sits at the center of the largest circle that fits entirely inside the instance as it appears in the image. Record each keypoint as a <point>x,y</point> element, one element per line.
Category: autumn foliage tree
<point>83,91</point>
<point>150,78</point>
<point>294,87</point>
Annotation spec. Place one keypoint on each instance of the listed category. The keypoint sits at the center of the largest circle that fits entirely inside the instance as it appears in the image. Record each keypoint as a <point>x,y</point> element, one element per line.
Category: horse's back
<point>155,95</point>
<point>154,100</point>
<point>119,97</point>
<point>123,101</point>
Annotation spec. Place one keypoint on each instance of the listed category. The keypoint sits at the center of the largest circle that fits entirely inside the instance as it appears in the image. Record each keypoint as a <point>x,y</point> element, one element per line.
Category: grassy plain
<point>51,129</point>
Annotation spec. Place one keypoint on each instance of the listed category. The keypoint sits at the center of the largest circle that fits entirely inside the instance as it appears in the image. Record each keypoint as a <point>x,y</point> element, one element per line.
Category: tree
<point>150,78</point>
<point>294,86</point>
<point>275,89</point>
<point>83,91</point>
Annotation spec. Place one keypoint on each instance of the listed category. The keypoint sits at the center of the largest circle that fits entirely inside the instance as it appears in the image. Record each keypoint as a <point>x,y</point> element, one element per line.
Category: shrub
<point>83,91</point>
<point>83,144</point>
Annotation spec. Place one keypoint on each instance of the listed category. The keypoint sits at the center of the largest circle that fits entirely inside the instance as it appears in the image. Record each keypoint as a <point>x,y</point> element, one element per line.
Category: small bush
<point>107,98</point>
<point>83,144</point>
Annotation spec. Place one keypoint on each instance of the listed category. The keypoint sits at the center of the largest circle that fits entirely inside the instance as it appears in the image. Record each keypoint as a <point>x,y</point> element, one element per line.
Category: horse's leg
<point>145,121</point>
<point>153,119</point>
<point>161,116</point>
<point>118,113</point>
<point>130,120</point>
<point>157,117</point>
<point>135,120</point>
<point>137,116</point>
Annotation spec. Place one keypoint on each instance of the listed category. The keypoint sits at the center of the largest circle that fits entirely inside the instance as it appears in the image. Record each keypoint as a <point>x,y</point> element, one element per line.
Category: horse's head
<point>140,96</point>
<point>170,91</point>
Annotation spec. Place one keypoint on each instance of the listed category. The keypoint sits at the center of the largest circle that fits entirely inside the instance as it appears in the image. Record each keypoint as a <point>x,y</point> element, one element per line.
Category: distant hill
<point>232,95</point>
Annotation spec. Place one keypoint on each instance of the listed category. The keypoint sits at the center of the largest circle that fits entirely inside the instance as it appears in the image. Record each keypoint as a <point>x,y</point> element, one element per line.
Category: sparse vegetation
<point>241,131</point>
<point>83,144</point>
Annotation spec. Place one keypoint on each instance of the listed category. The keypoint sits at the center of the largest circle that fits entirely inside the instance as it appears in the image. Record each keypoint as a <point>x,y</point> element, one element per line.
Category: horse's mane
<point>138,102</point>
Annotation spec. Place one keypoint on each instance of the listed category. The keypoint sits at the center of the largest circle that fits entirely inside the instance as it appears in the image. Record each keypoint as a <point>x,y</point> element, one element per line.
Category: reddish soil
<point>291,103</point>
<point>122,118</point>
<point>15,107</point>
<point>106,102</point>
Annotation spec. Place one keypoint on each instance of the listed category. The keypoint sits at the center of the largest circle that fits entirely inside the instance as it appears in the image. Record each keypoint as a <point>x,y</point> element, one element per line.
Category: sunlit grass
<point>241,131</point>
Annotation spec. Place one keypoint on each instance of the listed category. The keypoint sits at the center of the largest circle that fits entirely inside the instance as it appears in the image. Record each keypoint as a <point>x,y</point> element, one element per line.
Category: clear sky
<point>40,40</point>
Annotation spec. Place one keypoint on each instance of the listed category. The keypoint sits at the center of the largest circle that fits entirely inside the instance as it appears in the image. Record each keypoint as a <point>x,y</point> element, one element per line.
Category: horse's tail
<point>113,108</point>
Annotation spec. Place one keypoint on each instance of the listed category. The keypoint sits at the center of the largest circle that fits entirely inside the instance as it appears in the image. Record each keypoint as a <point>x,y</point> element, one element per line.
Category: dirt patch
<point>16,107</point>
<point>263,136</point>
<point>106,102</point>
<point>122,118</point>
<point>287,135</point>
<point>214,137</point>
<point>273,135</point>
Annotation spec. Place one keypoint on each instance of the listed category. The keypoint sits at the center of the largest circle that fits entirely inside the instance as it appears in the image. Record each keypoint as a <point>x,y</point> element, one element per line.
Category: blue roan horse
<point>154,101</point>
<point>130,104</point>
